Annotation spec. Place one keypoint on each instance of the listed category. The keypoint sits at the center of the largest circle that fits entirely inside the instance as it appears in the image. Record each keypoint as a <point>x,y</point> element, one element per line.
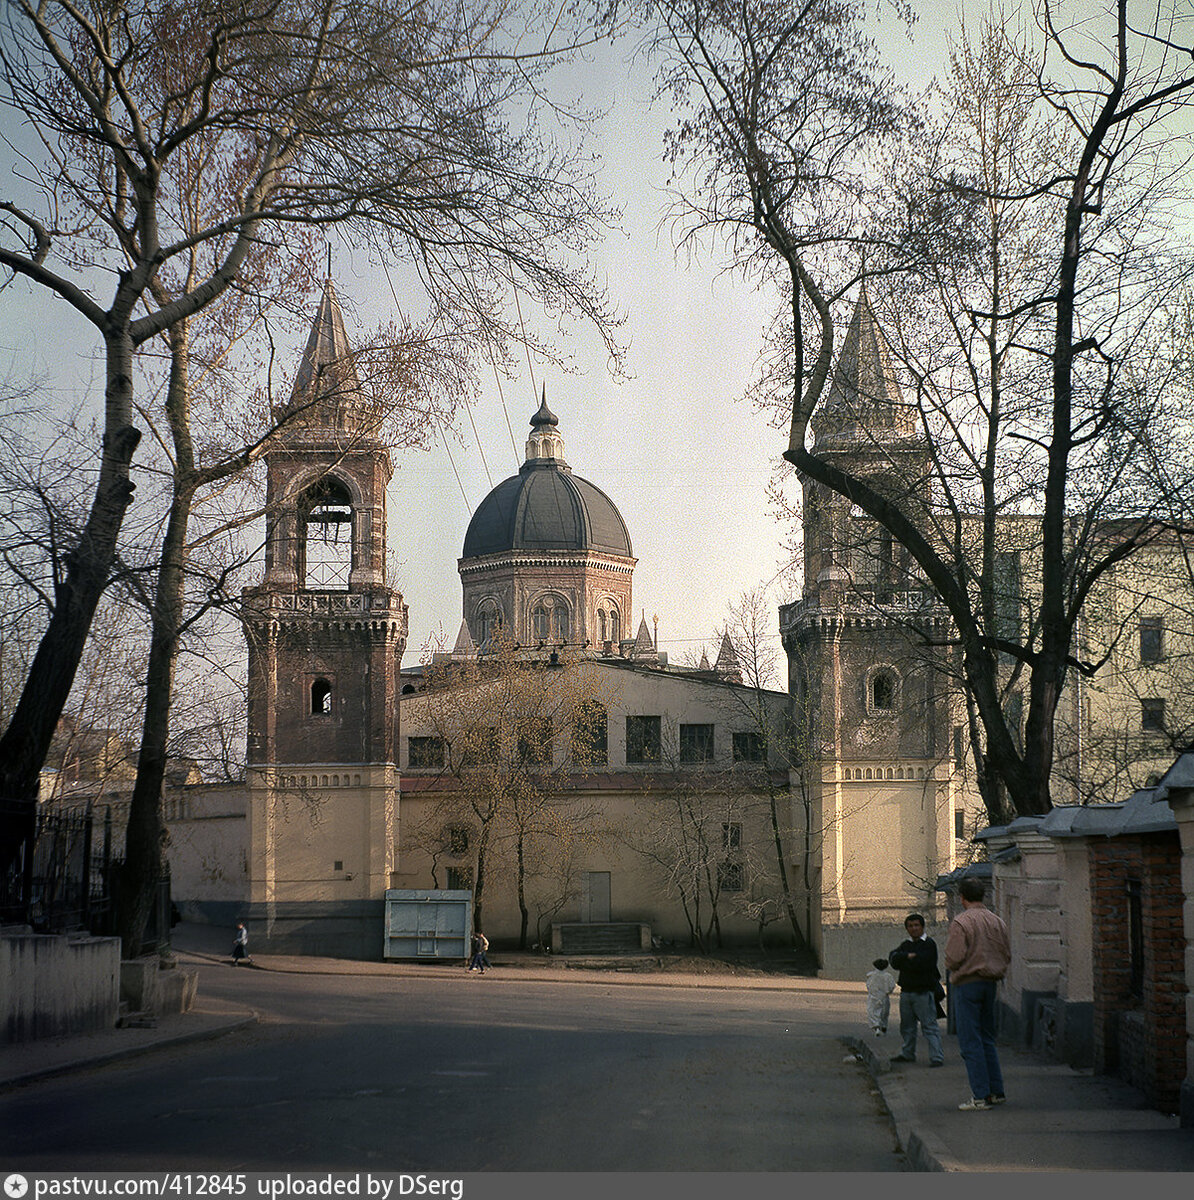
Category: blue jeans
<point>919,1008</point>
<point>974,1012</point>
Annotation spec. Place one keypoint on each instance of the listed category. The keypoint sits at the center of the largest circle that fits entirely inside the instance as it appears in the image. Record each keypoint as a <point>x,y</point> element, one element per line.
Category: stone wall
<point>1155,1060</point>
<point>56,985</point>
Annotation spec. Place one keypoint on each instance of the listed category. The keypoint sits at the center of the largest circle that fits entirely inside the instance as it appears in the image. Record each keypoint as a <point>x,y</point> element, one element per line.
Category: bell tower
<point>325,639</point>
<point>867,665</point>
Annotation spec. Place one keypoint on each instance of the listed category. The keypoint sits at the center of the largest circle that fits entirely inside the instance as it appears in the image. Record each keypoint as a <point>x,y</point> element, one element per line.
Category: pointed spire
<point>644,648</point>
<point>703,665</point>
<point>864,395</point>
<point>465,646</point>
<point>544,416</point>
<point>327,343</point>
<point>327,388</point>
<point>727,665</point>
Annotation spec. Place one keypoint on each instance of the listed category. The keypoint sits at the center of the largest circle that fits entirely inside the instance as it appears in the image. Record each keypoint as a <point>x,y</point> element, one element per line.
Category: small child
<point>880,983</point>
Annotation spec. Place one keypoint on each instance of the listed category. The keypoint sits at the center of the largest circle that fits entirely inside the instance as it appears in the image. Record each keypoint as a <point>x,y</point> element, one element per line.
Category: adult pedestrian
<point>915,959</point>
<point>479,960</point>
<point>977,953</point>
<point>240,945</point>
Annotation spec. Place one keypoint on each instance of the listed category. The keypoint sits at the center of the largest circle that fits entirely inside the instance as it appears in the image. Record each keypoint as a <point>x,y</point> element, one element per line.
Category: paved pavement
<point>1055,1118</point>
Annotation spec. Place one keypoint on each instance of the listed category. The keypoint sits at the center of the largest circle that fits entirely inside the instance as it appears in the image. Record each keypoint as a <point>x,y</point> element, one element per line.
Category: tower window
<point>321,698</point>
<point>882,692</point>
<point>549,620</point>
<point>540,623</point>
<point>489,621</point>
<point>327,537</point>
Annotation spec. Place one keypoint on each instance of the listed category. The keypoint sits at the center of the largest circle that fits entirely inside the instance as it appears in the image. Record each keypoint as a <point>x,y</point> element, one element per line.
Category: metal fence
<point>66,879</point>
<point>61,882</point>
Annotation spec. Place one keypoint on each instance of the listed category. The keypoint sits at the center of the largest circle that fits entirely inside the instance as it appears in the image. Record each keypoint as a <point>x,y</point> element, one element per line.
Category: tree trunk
<point>26,742</point>
<point>146,833</point>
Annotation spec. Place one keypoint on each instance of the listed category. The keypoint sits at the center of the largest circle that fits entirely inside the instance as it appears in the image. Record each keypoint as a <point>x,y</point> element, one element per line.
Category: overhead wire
<point>438,427</point>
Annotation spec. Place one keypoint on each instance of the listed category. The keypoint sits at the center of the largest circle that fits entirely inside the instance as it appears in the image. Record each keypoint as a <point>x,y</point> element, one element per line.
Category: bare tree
<point>509,732</point>
<point>1058,368</point>
<point>392,121</point>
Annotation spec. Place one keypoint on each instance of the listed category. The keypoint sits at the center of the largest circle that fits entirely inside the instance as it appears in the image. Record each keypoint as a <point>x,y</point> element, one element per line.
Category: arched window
<point>550,620</point>
<point>489,621</point>
<point>540,623</point>
<point>326,551</point>
<point>882,697</point>
<point>615,626</point>
<point>321,698</point>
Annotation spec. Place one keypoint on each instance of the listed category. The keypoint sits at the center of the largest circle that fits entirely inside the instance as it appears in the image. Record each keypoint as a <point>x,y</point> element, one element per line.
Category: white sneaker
<point>974,1104</point>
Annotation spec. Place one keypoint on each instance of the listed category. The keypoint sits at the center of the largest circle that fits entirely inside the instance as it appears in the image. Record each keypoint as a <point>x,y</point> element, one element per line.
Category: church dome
<point>545,506</point>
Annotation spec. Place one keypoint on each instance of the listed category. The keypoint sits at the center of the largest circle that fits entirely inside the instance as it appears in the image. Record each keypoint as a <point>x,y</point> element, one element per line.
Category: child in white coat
<point>880,983</point>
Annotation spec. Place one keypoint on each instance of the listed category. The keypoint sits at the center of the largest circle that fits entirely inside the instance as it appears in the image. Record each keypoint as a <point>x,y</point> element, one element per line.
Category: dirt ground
<point>738,961</point>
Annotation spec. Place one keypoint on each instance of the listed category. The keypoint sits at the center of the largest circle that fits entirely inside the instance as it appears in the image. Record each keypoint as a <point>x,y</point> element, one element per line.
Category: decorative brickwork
<point>1144,974</point>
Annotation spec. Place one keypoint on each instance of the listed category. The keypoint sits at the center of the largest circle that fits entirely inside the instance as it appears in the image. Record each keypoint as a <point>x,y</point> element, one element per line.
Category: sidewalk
<point>1055,1119</point>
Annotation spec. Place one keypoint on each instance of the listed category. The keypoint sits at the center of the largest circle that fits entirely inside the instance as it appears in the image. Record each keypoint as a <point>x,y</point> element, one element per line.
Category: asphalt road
<point>474,1074</point>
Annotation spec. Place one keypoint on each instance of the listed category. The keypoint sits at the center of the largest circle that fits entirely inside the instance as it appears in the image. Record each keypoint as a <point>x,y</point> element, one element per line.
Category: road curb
<point>554,973</point>
<point>132,1050</point>
<point>923,1149</point>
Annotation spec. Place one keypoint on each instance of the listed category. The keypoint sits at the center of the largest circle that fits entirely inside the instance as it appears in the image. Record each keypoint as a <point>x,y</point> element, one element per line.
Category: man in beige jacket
<point>977,953</point>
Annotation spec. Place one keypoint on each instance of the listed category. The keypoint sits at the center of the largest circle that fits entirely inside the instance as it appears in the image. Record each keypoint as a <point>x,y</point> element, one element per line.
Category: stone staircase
<point>614,937</point>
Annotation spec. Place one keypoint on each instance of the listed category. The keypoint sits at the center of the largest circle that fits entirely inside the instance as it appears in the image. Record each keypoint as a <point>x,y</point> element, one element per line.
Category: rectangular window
<point>1013,714</point>
<point>1152,715</point>
<point>534,742</point>
<point>1152,639</point>
<point>590,737</point>
<point>460,879</point>
<point>731,835</point>
<point>729,876</point>
<point>424,752</point>
<point>749,746</point>
<point>644,742</point>
<point>1009,596</point>
<point>484,744</point>
<point>696,743</point>
<point>959,748</point>
<point>457,840</point>
<point>959,823</point>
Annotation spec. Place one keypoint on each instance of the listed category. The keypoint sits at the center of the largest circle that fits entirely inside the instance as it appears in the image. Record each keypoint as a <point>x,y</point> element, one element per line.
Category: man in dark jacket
<point>916,961</point>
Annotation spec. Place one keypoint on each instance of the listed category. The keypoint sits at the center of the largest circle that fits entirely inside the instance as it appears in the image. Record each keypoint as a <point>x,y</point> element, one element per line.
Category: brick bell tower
<point>325,637</point>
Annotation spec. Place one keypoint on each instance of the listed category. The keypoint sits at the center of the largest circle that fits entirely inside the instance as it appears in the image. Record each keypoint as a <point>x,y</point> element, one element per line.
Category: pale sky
<point>679,452</point>
<point>682,455</point>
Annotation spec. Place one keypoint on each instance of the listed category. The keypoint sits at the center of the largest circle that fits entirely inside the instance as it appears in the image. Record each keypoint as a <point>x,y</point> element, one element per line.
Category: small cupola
<point>545,443</point>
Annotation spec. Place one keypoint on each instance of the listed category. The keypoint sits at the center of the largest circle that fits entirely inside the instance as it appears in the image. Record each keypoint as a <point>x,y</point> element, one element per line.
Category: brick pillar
<point>1181,800</point>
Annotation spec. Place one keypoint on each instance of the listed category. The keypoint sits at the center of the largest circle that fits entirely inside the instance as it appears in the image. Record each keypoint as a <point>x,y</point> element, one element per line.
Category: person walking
<point>977,954</point>
<point>479,960</point>
<point>880,983</point>
<point>240,945</point>
<point>916,960</point>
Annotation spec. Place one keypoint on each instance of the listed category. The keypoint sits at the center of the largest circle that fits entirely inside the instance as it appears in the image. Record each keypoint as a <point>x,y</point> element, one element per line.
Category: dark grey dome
<point>546,507</point>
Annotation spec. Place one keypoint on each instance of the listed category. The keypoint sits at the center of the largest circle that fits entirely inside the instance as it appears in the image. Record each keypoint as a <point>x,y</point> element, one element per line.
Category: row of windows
<point>644,744</point>
<point>549,620</point>
<point>730,871</point>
